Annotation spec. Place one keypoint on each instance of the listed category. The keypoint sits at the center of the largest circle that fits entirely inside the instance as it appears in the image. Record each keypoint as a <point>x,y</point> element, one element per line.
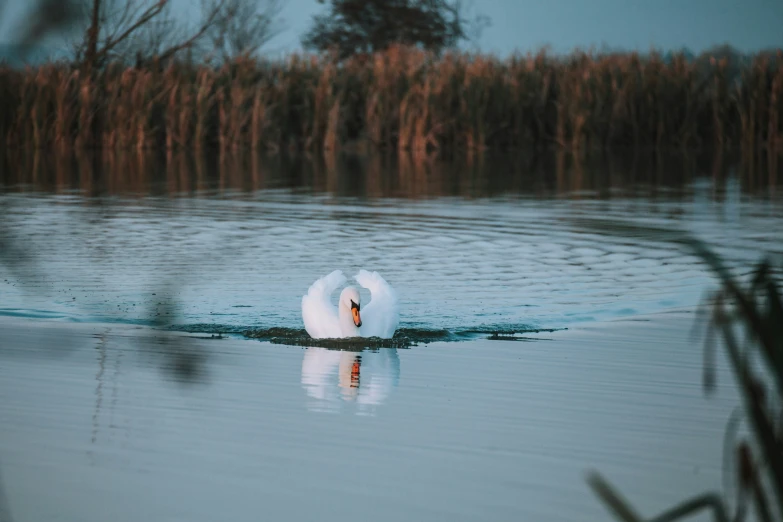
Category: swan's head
<point>349,298</point>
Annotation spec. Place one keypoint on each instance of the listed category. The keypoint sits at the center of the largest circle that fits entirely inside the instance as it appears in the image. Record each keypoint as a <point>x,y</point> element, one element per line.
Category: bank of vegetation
<point>401,99</point>
<point>379,74</point>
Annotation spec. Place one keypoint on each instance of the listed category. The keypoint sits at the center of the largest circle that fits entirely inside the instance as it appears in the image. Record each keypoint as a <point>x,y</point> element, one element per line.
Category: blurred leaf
<point>48,17</point>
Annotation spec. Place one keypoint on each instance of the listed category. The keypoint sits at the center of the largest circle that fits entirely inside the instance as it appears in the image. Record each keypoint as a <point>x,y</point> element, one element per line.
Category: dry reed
<point>403,99</point>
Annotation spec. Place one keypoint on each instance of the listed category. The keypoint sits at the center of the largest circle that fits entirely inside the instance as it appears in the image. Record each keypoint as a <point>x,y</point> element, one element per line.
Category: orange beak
<point>357,319</point>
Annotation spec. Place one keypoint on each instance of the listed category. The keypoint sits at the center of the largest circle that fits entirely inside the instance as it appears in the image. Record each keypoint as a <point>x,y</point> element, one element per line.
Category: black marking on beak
<point>355,312</point>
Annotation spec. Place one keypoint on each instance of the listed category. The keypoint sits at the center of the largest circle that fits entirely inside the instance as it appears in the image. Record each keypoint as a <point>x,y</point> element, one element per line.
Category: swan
<point>323,320</point>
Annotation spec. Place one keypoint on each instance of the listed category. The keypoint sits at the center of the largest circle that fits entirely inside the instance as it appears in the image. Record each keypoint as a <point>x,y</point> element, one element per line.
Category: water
<point>243,258</point>
<point>105,418</point>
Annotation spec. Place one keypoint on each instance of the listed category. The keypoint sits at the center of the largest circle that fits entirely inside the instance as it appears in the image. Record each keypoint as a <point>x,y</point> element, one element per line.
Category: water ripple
<point>248,260</point>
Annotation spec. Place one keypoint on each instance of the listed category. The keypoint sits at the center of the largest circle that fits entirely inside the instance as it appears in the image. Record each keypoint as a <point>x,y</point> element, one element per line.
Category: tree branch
<point>148,15</point>
<point>211,17</point>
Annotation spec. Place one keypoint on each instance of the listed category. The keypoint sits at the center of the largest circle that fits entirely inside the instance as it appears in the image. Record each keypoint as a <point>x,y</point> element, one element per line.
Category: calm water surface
<point>104,418</point>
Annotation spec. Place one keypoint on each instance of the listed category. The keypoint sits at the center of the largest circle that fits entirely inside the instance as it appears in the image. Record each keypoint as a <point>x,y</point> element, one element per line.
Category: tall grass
<point>403,99</point>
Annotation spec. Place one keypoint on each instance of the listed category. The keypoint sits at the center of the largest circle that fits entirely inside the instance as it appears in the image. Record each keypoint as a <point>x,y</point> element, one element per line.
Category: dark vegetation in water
<point>300,338</point>
<point>753,466</point>
<point>403,99</point>
<point>404,337</point>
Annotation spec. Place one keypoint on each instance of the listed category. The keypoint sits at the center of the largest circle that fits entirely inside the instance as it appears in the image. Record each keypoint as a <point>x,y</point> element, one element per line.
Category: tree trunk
<point>92,36</point>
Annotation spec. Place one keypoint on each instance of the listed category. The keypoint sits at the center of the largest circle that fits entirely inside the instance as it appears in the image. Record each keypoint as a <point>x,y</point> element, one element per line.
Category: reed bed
<point>402,99</point>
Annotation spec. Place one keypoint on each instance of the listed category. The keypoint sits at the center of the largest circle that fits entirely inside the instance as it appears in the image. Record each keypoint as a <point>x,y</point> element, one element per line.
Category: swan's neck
<point>347,326</point>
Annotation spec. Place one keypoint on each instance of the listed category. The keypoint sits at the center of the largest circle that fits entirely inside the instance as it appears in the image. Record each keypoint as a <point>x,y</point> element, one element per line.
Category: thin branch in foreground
<point>623,511</point>
<point>612,498</point>
<point>209,20</point>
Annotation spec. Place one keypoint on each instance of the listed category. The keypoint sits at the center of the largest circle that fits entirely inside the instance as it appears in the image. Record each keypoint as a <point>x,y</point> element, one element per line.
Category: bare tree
<point>242,26</point>
<point>126,29</point>
<point>121,29</point>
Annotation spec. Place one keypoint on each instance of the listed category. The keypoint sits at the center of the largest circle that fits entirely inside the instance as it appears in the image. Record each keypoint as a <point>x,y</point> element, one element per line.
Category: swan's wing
<point>318,312</point>
<point>381,316</point>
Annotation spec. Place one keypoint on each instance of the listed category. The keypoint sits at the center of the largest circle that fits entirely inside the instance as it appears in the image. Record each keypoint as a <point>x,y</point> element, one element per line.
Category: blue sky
<point>565,24</point>
<point>527,25</point>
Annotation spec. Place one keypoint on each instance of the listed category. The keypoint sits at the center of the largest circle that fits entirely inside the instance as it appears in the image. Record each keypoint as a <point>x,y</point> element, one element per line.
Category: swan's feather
<point>319,314</point>
<point>381,316</point>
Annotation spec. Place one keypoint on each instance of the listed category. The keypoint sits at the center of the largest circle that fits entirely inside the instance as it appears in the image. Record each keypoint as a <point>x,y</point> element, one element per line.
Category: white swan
<point>378,319</point>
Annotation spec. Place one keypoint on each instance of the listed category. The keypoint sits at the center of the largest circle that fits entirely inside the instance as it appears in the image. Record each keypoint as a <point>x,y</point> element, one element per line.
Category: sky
<point>527,25</point>
<point>563,25</point>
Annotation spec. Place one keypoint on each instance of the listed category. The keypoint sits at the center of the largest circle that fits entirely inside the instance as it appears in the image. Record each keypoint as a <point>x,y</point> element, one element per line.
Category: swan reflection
<point>364,378</point>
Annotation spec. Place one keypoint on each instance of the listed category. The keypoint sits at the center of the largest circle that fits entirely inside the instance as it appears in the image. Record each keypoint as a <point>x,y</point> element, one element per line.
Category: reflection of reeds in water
<point>405,100</point>
<point>99,387</point>
<point>407,174</point>
<point>757,364</point>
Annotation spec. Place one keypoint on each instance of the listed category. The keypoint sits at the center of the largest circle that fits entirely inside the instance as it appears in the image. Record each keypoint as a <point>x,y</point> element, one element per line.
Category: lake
<point>153,364</point>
